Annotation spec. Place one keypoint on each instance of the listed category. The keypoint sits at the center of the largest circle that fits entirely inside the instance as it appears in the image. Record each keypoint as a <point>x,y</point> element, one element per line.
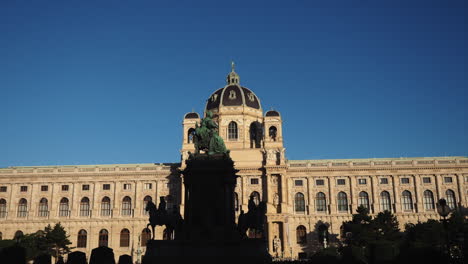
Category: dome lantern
<point>232,77</point>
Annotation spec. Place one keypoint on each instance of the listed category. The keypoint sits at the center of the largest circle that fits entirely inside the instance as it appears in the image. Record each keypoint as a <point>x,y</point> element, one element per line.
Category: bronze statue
<point>172,221</point>
<point>206,137</point>
<point>254,219</point>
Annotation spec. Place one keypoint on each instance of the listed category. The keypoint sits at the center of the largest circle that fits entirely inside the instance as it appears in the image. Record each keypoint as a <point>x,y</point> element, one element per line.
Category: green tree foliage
<point>52,241</point>
<point>55,241</point>
<point>370,239</point>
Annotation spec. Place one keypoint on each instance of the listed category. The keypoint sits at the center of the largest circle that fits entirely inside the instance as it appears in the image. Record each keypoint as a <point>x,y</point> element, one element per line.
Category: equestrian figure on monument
<point>161,217</point>
<point>206,136</point>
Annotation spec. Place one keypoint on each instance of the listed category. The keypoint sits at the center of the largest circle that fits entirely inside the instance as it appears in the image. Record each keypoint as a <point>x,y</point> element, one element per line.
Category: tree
<point>385,226</point>
<point>55,241</point>
<point>371,240</point>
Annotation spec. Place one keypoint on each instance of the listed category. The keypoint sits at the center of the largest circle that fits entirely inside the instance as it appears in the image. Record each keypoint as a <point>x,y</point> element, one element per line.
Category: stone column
<point>284,199</point>
<point>461,195</point>
<point>331,196</point>
<point>311,196</point>
<point>396,194</point>
<point>269,239</point>
<point>418,193</point>
<point>374,204</point>
<point>438,182</point>
<point>352,206</point>
<point>286,246</point>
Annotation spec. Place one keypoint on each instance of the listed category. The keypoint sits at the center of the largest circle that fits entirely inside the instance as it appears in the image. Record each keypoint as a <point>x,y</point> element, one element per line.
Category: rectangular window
<point>426,179</point>
<point>297,182</point>
<point>65,188</point>
<point>106,186</point>
<point>362,181</point>
<point>24,188</point>
<point>44,188</point>
<point>254,181</point>
<point>319,182</point>
<point>448,179</point>
<point>148,186</point>
<point>405,180</point>
<point>341,182</point>
<point>383,181</point>
<point>85,187</point>
<point>3,188</point>
<point>127,186</point>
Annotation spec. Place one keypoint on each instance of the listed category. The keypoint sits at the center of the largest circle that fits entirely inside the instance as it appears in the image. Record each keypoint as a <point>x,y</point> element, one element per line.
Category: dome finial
<point>233,77</point>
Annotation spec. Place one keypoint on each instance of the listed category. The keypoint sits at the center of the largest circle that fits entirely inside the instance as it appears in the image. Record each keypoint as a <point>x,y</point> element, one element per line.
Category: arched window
<point>236,201</point>
<point>407,201</point>
<point>145,236</point>
<point>63,207</point>
<point>256,197</point>
<point>125,238</point>
<point>127,206</point>
<point>232,131</point>
<point>145,202</point>
<point>363,200</point>
<point>3,208</point>
<point>43,208</point>
<point>103,238</point>
<point>320,202</point>
<point>82,238</point>
<point>18,234</point>
<point>256,134</point>
<point>385,201</point>
<point>428,200</point>
<point>105,206</point>
<point>301,234</point>
<point>23,208</point>
<point>451,201</point>
<point>84,206</point>
<point>190,135</point>
<point>299,202</point>
<point>342,202</point>
<point>272,132</point>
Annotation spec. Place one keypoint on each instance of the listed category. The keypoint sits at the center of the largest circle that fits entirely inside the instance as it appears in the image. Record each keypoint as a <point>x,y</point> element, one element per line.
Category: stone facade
<point>301,195</point>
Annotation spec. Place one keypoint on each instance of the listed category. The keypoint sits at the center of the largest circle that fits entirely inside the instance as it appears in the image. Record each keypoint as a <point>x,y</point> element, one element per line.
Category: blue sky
<point>100,82</point>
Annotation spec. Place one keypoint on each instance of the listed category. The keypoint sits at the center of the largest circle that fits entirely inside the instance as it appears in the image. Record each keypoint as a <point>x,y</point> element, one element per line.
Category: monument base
<point>239,252</point>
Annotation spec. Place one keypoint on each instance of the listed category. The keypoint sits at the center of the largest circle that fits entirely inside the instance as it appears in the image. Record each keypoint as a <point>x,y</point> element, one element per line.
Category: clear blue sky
<point>99,82</point>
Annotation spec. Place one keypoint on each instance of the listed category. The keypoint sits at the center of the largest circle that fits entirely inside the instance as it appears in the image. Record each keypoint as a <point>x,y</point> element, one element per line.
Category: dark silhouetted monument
<point>209,231</point>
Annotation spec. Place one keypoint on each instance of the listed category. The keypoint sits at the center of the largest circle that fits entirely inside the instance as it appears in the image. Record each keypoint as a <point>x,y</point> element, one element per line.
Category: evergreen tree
<point>55,241</point>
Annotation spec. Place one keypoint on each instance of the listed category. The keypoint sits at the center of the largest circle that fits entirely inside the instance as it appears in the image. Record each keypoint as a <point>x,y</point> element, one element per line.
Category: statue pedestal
<point>240,252</point>
<point>209,231</point>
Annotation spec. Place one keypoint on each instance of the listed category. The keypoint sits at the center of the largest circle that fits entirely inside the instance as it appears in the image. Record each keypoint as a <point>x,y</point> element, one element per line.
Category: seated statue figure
<point>206,136</point>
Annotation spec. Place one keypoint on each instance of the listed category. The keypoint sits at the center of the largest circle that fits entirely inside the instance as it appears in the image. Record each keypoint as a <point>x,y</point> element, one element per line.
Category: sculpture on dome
<point>206,137</point>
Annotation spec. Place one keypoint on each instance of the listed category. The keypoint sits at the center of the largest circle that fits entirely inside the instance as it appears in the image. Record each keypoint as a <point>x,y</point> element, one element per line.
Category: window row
<point>256,132</point>
<point>363,181</point>
<point>84,187</point>
<point>84,207</point>
<point>103,239</point>
<point>363,200</point>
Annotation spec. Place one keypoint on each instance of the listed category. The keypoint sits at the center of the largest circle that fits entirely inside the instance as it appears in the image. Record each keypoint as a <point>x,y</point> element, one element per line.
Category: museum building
<point>105,204</point>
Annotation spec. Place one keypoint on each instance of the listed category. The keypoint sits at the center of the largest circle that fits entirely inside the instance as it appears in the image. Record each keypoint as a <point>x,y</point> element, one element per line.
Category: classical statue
<point>276,245</point>
<point>254,219</point>
<point>160,216</point>
<point>206,137</point>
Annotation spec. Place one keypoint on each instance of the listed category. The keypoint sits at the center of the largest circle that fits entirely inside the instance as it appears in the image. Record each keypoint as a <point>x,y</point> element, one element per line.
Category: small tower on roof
<point>233,77</point>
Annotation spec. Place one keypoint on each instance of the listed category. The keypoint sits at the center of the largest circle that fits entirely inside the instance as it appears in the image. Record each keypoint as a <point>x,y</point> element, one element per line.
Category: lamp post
<point>444,210</point>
